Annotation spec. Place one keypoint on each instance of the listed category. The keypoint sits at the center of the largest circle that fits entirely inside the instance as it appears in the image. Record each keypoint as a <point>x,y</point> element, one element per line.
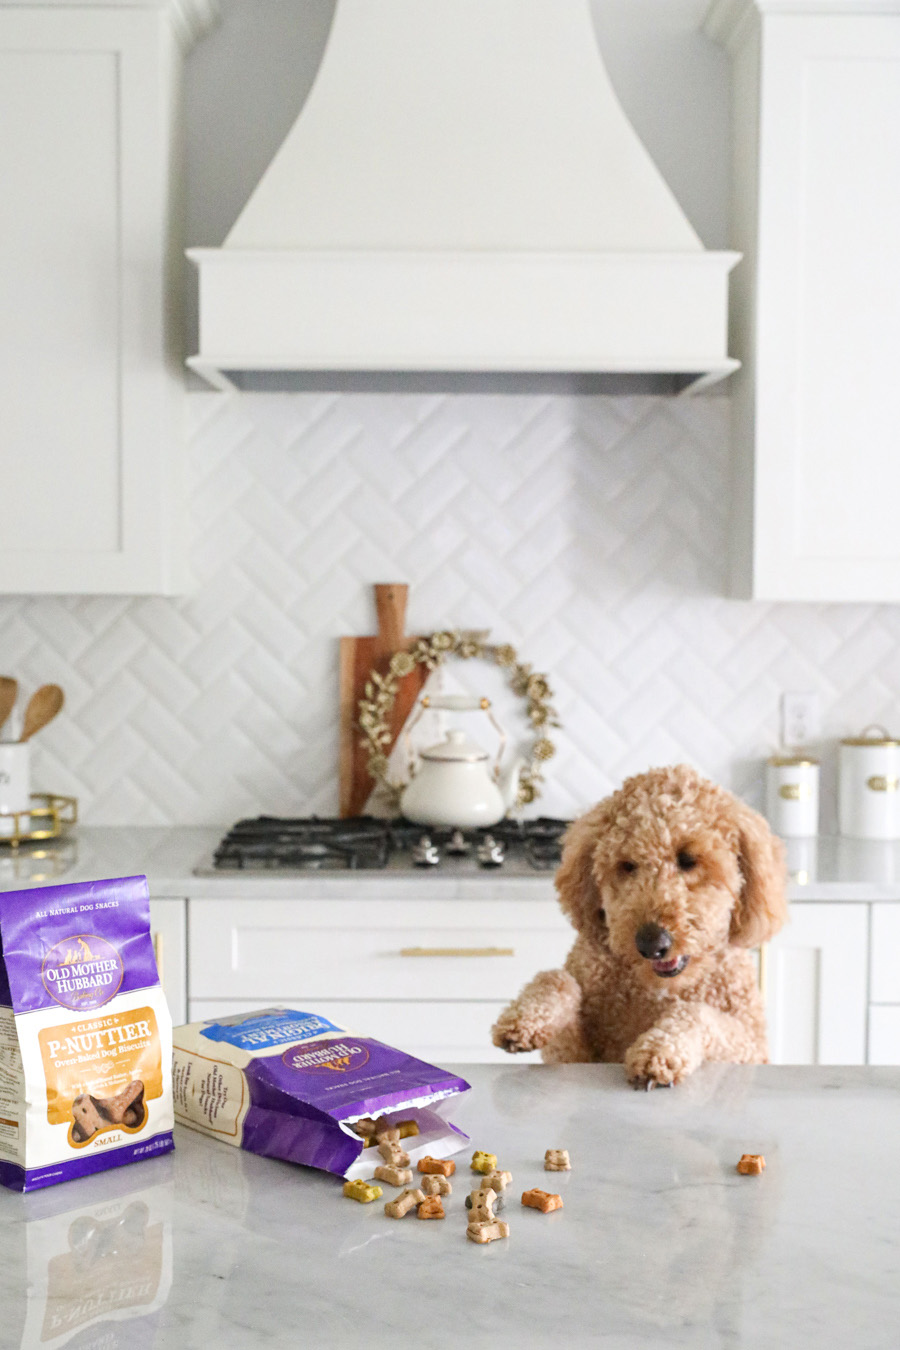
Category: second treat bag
<point>291,1084</point>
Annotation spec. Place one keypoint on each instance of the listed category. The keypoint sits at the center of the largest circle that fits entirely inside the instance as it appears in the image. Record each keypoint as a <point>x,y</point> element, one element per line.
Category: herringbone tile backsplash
<point>589,532</point>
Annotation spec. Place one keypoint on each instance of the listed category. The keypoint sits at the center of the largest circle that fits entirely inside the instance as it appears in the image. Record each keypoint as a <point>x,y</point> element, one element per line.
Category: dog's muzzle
<point>654,943</point>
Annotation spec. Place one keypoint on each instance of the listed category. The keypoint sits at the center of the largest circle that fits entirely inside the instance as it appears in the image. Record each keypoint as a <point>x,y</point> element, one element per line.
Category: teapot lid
<point>458,746</point>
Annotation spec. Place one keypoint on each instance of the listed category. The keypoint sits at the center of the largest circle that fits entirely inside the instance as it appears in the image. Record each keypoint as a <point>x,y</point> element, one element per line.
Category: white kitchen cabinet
<point>817,986</point>
<point>168,929</point>
<point>432,975</point>
<point>816,301</point>
<point>89,376</point>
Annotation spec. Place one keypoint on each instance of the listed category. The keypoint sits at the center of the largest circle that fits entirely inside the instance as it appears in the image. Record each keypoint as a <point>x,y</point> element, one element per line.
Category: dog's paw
<point>515,1035</point>
<point>655,1060</point>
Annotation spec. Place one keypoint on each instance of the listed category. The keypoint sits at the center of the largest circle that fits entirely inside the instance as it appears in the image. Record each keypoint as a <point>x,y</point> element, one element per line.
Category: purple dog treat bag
<point>85,1033</point>
<point>291,1084</point>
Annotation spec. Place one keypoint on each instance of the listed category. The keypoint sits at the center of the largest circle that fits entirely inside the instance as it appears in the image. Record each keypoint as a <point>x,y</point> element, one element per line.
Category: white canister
<point>15,784</point>
<point>869,786</point>
<point>792,795</point>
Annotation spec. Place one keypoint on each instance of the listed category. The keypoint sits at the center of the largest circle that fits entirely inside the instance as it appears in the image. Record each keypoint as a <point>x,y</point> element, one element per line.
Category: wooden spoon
<point>43,706</point>
<point>9,689</point>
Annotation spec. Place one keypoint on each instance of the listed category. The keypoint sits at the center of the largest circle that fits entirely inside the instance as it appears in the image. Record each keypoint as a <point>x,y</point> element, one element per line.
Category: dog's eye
<point>627,866</point>
<point>686,861</point>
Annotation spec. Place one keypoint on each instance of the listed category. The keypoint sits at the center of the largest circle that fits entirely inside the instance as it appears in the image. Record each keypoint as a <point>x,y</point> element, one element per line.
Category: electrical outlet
<point>800,718</point>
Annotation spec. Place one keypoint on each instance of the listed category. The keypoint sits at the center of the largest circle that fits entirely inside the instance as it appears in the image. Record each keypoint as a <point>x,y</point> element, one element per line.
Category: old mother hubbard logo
<point>338,1056</point>
<point>82,972</point>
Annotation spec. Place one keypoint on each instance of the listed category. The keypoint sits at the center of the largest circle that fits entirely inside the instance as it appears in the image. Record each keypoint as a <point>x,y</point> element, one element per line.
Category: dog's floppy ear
<point>575,883</point>
<point>761,908</point>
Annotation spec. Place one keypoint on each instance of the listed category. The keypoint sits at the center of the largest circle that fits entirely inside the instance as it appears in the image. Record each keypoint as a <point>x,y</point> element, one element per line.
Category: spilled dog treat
<point>498,1181</point>
<point>436,1184</point>
<point>394,1176</point>
<point>484,1162</point>
<point>406,1201</point>
<point>445,1166</point>
<point>361,1191</point>
<point>487,1232</point>
<point>431,1208</point>
<point>557,1160</point>
<point>751,1164</point>
<point>541,1200</point>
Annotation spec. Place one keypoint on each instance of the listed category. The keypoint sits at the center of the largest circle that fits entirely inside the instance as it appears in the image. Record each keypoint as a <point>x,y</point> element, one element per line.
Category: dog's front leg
<point>546,1007</point>
<point>681,1040</point>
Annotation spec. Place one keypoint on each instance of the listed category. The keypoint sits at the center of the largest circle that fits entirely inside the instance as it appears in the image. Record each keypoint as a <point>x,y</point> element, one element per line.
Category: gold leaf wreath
<point>381,691</point>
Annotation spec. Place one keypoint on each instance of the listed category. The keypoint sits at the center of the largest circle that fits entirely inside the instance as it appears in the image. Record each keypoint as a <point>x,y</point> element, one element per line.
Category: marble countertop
<point>827,868</point>
<point>660,1241</point>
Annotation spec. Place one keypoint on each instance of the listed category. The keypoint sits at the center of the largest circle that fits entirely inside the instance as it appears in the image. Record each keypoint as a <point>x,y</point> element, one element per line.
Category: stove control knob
<point>425,854</point>
<point>457,843</point>
<point>490,852</point>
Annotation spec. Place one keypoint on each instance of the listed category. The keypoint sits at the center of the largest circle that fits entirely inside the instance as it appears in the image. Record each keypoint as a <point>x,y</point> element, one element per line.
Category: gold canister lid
<point>793,761</point>
<point>879,736</point>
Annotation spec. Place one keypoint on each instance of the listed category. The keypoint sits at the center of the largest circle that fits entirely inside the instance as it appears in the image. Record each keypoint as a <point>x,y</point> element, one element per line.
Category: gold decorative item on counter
<point>46,818</point>
<point>429,652</point>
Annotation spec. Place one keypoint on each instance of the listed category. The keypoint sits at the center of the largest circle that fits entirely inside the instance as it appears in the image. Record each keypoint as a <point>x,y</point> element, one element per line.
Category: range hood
<point>462,194</point>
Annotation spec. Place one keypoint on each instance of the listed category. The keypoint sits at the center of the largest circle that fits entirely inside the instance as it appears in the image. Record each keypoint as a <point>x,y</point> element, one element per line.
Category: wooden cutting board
<point>359,656</point>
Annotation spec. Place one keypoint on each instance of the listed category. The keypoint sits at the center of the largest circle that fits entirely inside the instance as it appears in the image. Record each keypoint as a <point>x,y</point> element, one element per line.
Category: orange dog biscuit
<point>431,1208</point>
<point>541,1200</point>
<point>445,1166</point>
<point>751,1164</point>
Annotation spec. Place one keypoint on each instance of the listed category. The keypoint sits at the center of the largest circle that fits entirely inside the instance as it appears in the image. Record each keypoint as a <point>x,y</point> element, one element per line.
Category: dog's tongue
<point>661,967</point>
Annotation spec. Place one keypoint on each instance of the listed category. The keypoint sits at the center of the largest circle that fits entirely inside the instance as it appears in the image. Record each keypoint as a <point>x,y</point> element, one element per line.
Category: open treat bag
<point>291,1085</point>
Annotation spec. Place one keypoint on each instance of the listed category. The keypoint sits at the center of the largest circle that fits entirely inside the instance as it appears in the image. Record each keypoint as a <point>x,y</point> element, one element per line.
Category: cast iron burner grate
<point>307,844</point>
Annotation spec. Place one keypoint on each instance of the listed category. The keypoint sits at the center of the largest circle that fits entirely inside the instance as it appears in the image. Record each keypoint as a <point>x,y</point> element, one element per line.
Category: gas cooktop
<point>365,843</point>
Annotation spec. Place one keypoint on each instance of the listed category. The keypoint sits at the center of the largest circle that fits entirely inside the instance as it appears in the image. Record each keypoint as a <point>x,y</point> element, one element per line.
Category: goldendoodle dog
<point>667,883</point>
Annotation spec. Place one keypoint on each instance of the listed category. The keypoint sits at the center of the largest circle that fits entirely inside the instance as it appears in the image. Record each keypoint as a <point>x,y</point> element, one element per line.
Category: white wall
<point>589,532</point>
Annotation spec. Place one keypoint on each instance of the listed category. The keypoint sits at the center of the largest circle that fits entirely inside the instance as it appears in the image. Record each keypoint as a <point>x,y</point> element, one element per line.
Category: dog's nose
<point>652,941</point>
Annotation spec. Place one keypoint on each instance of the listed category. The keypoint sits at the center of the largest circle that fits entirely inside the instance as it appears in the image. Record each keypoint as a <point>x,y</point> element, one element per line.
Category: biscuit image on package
<point>541,1200</point>
<point>407,1200</point>
<point>436,1184</point>
<point>557,1160</point>
<point>87,1118</point>
<point>361,1191</point>
<point>751,1164</point>
<point>487,1232</point>
<point>484,1162</point>
<point>498,1181</point>
<point>393,1154</point>
<point>431,1208</point>
<point>445,1166</point>
<point>91,1114</point>
<point>394,1176</point>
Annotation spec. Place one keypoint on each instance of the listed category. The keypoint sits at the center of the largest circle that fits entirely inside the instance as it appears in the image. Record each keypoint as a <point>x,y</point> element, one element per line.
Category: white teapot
<point>451,785</point>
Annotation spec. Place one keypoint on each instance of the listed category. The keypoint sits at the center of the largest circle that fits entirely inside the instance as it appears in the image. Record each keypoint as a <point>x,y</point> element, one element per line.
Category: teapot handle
<point>454,703</point>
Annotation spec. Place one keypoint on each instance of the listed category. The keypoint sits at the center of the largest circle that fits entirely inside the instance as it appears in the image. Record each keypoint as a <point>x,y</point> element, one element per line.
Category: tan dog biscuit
<point>480,1203</point>
<point>445,1166</point>
<point>365,1128</point>
<point>436,1184</point>
<point>498,1181</point>
<point>557,1160</point>
<point>394,1176</point>
<point>431,1208</point>
<point>499,1200</point>
<point>129,1102</point>
<point>407,1200</point>
<point>541,1200</point>
<point>393,1154</point>
<point>751,1164</point>
<point>487,1232</point>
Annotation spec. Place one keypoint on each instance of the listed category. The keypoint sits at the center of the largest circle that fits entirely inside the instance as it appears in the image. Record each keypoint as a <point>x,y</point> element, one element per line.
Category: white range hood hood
<point>461,193</point>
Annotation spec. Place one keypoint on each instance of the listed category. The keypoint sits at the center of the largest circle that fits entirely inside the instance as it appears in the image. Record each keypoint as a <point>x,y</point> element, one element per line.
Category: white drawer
<point>283,950</point>
<point>884,970</point>
<point>451,1033</point>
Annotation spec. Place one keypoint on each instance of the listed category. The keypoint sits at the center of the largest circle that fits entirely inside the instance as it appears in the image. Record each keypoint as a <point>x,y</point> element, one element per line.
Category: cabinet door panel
<point>885,966</point>
<point>168,929</point>
<point>816,986</point>
<point>884,1035</point>
<point>441,1033</point>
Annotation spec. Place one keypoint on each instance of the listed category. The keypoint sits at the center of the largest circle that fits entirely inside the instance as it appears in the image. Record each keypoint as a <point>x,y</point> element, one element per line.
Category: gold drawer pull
<point>158,953</point>
<point>458,951</point>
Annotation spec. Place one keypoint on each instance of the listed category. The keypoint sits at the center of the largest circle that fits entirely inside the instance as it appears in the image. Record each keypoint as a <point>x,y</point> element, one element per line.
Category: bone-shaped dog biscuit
<point>394,1176</point>
<point>487,1232</point>
<point>435,1184</point>
<point>407,1200</point>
